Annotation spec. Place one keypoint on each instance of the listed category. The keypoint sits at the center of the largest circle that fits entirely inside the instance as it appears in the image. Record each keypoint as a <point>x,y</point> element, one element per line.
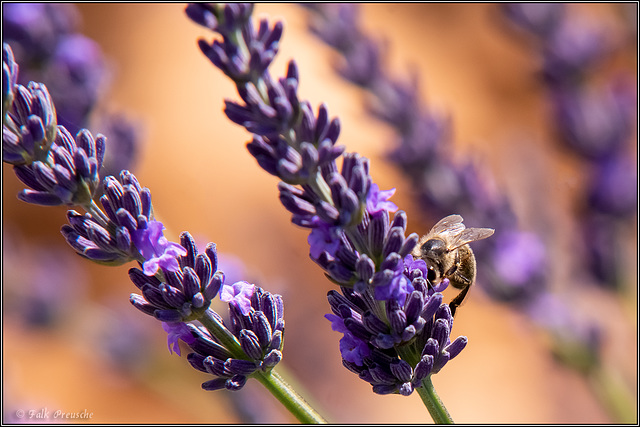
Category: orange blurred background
<point>203,180</point>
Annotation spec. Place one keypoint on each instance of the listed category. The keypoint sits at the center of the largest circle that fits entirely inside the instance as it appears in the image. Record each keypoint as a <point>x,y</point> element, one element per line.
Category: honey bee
<point>446,251</point>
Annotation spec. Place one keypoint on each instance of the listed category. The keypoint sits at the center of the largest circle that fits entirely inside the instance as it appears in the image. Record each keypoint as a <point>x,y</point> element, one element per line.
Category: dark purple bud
<point>198,300</point>
<point>382,376</point>
<point>365,267</point>
<point>203,269</point>
<point>423,368</point>
<point>39,198</point>
<point>168,316</point>
<point>397,320</point>
<point>125,219</point>
<point>236,382</point>
<point>431,348</point>
<point>340,272</point>
<point>262,329</point>
<point>383,389</point>
<point>409,332</point>
<point>250,344</point>
<point>413,306</point>
<point>440,361</point>
<point>457,346</point>
<point>272,358</point>
<point>373,324</point>
<point>357,329</point>
<point>215,384</point>
<point>393,241</point>
<point>240,367</point>
<point>155,296</point>
<point>173,279</point>
<point>202,14</point>
<point>377,231</point>
<point>140,279</point>
<point>441,332</point>
<point>190,282</point>
<point>401,370</point>
<point>123,239</point>
<point>212,289</point>
<point>409,243</point>
<point>432,306</point>
<point>391,262</point>
<point>196,361</point>
<point>141,304</point>
<point>171,296</point>
<point>327,212</point>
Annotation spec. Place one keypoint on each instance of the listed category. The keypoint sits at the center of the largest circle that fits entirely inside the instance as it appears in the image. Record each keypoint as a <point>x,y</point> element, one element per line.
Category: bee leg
<point>457,300</point>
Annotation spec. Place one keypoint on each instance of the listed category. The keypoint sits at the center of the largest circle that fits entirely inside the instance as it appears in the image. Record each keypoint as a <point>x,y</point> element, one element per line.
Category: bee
<point>445,249</point>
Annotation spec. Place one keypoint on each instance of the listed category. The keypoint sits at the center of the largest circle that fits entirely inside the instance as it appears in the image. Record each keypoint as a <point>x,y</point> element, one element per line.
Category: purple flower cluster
<point>111,237</point>
<point>177,283</point>
<point>596,122</point>
<point>256,320</point>
<point>58,168</point>
<point>46,41</point>
<point>512,266</point>
<point>418,328</point>
<point>352,237</point>
<point>442,184</point>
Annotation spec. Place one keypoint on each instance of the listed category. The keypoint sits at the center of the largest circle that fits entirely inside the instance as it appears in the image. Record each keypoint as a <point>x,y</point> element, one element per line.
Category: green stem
<point>433,403</point>
<point>223,335</point>
<point>614,395</point>
<point>271,380</point>
<point>289,398</point>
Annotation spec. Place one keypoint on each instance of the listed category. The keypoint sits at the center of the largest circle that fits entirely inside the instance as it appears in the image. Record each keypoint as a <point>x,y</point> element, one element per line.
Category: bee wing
<point>469,235</point>
<point>450,225</point>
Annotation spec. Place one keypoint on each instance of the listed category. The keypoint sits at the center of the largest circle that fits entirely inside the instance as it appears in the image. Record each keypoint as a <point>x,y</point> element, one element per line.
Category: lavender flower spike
<point>259,332</point>
<point>57,168</point>
<point>386,309</point>
<point>125,231</point>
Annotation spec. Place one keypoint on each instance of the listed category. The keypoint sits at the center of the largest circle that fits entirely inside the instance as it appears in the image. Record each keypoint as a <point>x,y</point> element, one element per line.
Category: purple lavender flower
<point>156,249</point>
<point>614,185</point>
<point>379,200</point>
<point>323,238</point>
<point>177,332</point>
<point>575,46</point>
<point>352,348</point>
<point>45,41</point>
<point>352,237</point>
<point>57,168</point>
<point>368,344</point>
<point>78,71</point>
<point>595,123</point>
<point>239,294</point>
<point>107,237</point>
<point>177,283</point>
<point>259,333</point>
<point>35,29</point>
<point>518,257</point>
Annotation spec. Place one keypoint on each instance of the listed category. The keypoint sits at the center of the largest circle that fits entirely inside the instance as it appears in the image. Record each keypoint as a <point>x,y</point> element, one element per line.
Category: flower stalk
<point>291,400</point>
<point>433,403</point>
<point>396,327</point>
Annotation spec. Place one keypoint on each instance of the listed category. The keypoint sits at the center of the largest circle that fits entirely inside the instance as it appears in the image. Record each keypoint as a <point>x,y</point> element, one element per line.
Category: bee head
<point>433,249</point>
